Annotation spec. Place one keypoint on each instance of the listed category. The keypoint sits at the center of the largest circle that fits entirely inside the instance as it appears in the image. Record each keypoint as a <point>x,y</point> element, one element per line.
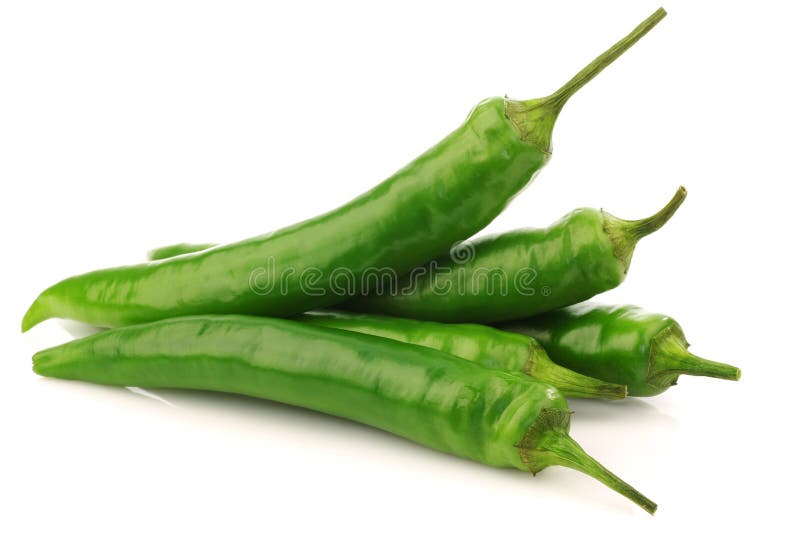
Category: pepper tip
<point>33,316</point>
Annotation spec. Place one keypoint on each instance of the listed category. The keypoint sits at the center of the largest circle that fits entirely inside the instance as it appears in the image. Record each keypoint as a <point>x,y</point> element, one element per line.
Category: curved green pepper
<point>521,273</point>
<point>436,399</point>
<point>622,344</point>
<point>485,345</point>
<point>515,274</point>
<point>445,195</point>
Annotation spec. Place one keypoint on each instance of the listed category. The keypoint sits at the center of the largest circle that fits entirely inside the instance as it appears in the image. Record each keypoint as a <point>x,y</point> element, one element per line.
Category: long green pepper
<point>521,273</point>
<point>623,344</point>
<point>515,274</point>
<point>436,399</point>
<point>581,255</point>
<point>484,345</point>
<point>447,194</point>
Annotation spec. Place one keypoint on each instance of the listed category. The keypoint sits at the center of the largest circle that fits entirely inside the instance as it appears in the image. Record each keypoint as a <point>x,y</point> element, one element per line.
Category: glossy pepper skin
<point>170,251</point>
<point>521,273</point>
<point>445,195</point>
<point>436,399</point>
<point>448,193</point>
<point>624,344</point>
<point>487,346</point>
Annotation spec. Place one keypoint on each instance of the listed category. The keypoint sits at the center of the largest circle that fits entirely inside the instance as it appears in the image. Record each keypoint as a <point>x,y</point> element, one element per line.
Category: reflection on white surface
<point>628,410</point>
<point>150,395</point>
<point>78,329</point>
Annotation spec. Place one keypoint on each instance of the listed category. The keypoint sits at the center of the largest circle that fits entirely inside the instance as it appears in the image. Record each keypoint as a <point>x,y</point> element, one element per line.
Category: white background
<point>128,125</point>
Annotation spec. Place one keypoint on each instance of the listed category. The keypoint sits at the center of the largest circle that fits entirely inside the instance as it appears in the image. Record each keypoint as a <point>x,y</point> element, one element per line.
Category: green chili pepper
<point>485,345</point>
<point>622,344</point>
<point>436,399</point>
<point>516,274</point>
<point>445,195</point>
<point>521,273</point>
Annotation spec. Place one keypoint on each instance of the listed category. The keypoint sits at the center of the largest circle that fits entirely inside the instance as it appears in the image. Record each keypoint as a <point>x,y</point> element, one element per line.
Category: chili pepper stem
<point>688,364</point>
<point>624,234</point>
<point>671,358</point>
<point>606,58</point>
<point>573,384</point>
<point>536,118</point>
<point>642,227</point>
<point>556,447</point>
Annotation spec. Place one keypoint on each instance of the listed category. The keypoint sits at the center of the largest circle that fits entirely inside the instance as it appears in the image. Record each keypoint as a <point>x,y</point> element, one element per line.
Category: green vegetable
<point>521,273</point>
<point>445,195</point>
<point>621,344</point>
<point>441,401</point>
<point>487,346</point>
<point>517,274</point>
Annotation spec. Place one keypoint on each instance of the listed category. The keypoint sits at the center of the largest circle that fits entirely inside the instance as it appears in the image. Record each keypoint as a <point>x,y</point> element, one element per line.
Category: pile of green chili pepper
<point>434,352</point>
